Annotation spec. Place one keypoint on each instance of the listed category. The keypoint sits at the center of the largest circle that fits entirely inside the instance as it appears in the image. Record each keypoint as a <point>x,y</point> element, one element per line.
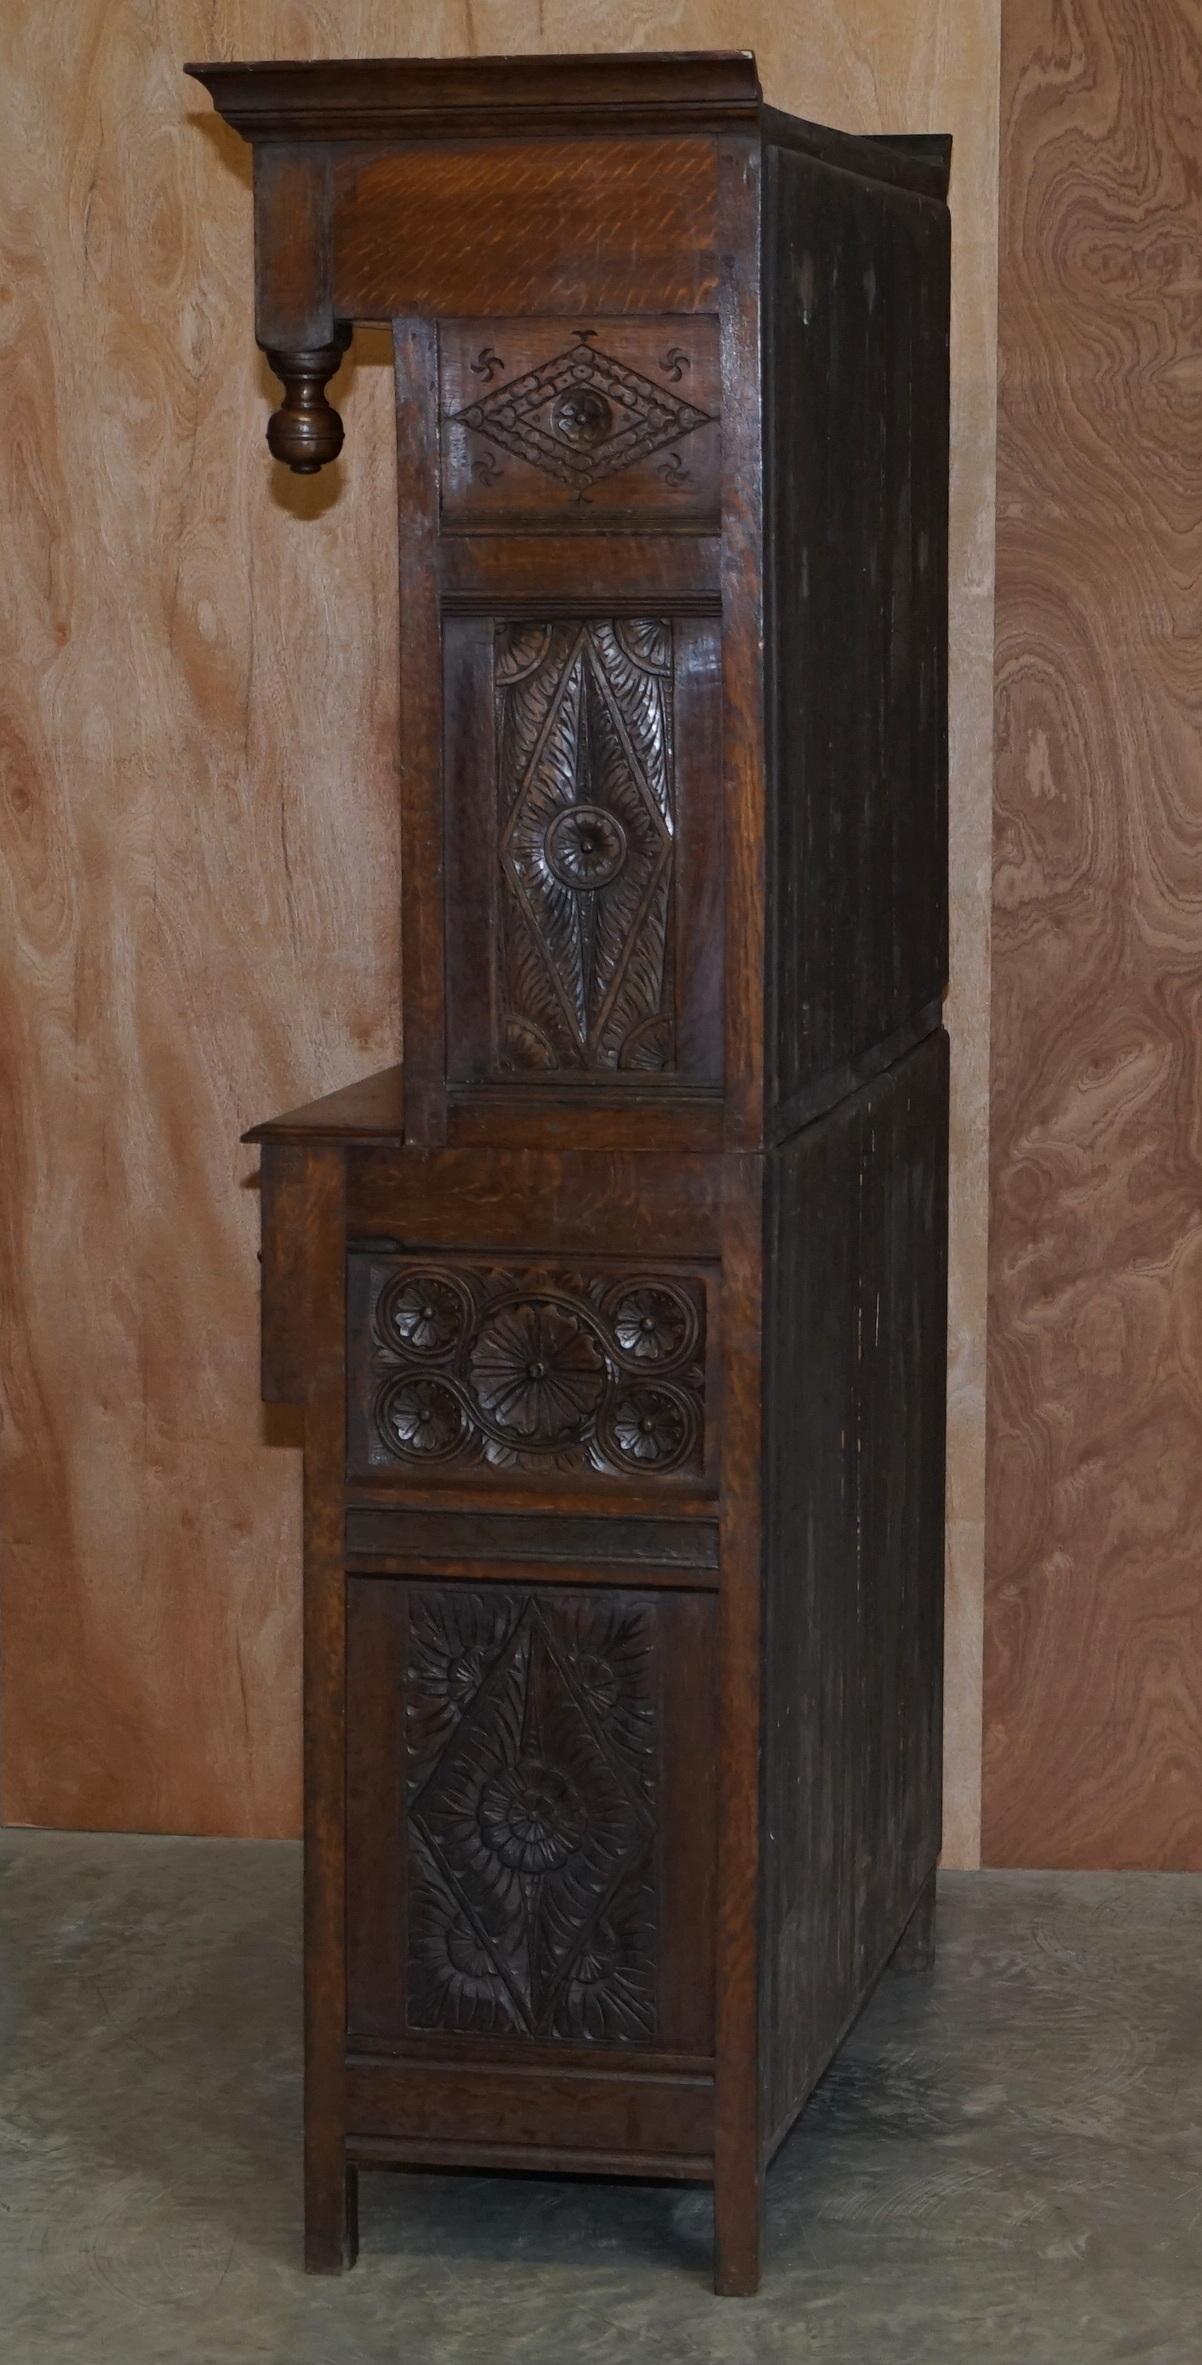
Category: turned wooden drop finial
<point>306,431</point>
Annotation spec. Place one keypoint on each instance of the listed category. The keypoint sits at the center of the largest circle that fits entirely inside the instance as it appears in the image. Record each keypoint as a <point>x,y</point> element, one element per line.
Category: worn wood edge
<point>616,2070</point>
<point>386,2151</point>
<point>687,1549</point>
<point>557,607</point>
<point>629,1575</point>
<point>370,1110</point>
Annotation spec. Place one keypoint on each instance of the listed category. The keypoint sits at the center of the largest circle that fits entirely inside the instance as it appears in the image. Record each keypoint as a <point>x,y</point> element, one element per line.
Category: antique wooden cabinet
<point>618,1313</point>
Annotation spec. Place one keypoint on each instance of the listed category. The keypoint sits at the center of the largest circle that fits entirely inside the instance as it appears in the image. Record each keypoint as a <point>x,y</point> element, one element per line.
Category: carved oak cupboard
<point>618,1315</point>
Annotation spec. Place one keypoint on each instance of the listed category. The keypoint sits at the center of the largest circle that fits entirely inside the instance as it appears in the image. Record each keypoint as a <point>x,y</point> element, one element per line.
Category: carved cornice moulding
<point>356,98</point>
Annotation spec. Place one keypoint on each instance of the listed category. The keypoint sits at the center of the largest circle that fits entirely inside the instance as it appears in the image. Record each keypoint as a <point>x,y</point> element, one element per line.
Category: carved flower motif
<point>653,1325</point>
<point>536,1372</point>
<point>585,846</point>
<point>530,1815</point>
<point>422,1312</point>
<point>583,417</point>
<point>651,1426</point>
<point>421,1419</point>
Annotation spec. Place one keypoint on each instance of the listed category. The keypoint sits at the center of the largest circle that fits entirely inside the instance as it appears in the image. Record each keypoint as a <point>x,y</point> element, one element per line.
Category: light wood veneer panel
<point>1093,1669</point>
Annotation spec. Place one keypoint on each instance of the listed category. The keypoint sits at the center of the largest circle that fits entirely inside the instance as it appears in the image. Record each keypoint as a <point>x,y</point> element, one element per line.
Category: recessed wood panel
<point>583,865</point>
<point>1093,1671</point>
<point>532,1837</point>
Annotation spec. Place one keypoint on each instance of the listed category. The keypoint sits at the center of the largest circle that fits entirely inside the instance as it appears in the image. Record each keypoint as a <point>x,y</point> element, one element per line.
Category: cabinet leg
<point>915,1950</point>
<point>736,2238</point>
<point>331,2218</point>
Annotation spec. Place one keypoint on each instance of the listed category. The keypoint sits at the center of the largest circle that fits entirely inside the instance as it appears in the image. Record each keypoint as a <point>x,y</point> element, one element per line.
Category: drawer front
<point>547,1376</point>
<point>531,1815</point>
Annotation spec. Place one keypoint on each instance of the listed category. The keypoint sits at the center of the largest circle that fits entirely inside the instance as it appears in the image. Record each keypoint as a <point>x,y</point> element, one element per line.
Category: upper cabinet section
<point>671,378</point>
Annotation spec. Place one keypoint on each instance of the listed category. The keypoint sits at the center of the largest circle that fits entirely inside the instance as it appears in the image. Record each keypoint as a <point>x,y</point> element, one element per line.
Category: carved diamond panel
<point>586,804</point>
<point>609,423</point>
<point>537,1369</point>
<point>582,415</point>
<point>531,1789</point>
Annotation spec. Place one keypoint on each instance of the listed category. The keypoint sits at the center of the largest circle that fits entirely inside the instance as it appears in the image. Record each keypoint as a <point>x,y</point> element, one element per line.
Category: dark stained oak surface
<point>624,1469</point>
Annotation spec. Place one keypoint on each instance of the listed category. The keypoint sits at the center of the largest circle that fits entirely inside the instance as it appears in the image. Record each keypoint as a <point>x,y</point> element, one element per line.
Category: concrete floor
<point>1005,2166</point>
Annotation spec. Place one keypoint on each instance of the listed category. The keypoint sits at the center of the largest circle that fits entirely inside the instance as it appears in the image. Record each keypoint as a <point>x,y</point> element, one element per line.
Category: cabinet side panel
<point>856,1247</point>
<point>856,390</point>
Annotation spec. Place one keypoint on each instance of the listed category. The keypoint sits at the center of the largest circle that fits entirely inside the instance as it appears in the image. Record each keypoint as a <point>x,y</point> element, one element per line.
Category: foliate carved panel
<point>463,1367</point>
<point>531,1772</point>
<point>586,812</point>
<point>601,418</point>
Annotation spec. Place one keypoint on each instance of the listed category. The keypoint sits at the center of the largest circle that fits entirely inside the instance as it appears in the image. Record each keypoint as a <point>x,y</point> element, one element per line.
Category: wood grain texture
<point>881,65</point>
<point>856,393</point>
<point>199,915</point>
<point>1093,1627</point>
<point>855,1281</point>
<point>200,868</point>
<point>636,233</point>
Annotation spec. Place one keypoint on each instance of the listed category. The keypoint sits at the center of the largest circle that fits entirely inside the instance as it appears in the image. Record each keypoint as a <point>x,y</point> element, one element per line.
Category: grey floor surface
<point>1004,2167</point>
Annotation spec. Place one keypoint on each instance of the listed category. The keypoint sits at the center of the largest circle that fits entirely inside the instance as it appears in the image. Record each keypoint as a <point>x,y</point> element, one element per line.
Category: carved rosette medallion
<point>531,1790</point>
<point>546,1371</point>
<point>585,846</point>
<point>582,415</point>
<point>587,825</point>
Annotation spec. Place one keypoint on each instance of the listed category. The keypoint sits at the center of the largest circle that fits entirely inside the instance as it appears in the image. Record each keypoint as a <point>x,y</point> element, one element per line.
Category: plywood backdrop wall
<point>1094,1611</point>
<point>200,851</point>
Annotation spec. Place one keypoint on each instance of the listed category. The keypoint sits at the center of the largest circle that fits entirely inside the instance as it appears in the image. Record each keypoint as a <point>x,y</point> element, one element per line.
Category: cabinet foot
<point>736,2242</point>
<point>332,2223</point>
<point>915,1949</point>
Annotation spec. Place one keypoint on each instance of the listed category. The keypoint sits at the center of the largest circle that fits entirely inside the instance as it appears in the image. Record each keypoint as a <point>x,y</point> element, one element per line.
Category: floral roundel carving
<point>653,1427</point>
<point>421,1419</point>
<point>537,1371</point>
<point>585,846</point>
<point>583,417</point>
<point>533,1369</point>
<point>530,1816</point>
<point>654,1324</point>
<point>421,1312</point>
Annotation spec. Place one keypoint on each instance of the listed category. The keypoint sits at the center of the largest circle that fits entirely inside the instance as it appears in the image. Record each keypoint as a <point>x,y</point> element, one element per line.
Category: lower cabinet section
<point>531,1863</point>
